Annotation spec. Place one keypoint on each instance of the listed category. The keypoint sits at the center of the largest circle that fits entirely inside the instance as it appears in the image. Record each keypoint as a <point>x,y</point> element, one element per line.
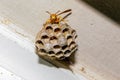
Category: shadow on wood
<point>66,63</point>
<point>110,8</point>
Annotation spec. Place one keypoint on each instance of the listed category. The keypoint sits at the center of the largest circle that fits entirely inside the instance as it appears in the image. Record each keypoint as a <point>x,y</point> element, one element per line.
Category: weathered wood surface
<point>98,55</point>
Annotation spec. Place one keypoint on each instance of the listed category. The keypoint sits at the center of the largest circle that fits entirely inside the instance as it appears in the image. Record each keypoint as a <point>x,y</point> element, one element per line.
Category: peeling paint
<point>6,21</point>
<point>20,34</point>
<point>83,69</point>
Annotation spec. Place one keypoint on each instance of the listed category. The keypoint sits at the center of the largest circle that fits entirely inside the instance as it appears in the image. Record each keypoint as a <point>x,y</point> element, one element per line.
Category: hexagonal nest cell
<point>56,41</point>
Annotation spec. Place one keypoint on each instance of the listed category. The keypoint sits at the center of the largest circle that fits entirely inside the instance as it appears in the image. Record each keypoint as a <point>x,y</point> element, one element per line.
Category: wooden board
<point>98,55</point>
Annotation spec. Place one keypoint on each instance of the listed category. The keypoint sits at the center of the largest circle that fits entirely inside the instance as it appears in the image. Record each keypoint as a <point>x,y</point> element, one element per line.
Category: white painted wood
<point>98,37</point>
<point>17,63</point>
<point>5,75</point>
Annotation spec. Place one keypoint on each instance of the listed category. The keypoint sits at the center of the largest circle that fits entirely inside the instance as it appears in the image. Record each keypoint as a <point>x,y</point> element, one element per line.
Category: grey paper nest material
<point>56,41</point>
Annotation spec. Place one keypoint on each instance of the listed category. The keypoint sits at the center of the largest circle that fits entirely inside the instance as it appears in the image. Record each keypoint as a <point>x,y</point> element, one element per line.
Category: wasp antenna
<point>57,12</point>
<point>48,12</point>
<point>66,16</point>
<point>68,10</point>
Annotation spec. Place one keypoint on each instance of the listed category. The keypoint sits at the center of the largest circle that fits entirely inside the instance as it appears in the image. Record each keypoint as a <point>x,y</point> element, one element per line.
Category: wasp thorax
<point>56,41</point>
<point>54,19</point>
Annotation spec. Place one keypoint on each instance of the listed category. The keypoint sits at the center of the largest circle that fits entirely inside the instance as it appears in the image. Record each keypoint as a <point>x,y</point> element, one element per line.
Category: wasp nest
<point>56,41</point>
